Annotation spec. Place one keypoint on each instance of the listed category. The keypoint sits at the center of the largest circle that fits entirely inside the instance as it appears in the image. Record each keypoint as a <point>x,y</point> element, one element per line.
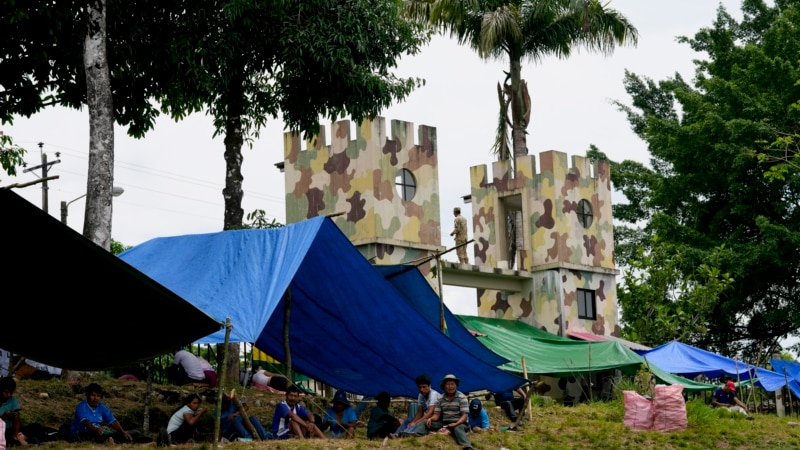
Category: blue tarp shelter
<point>418,293</point>
<point>348,326</point>
<point>73,290</point>
<point>790,370</point>
<point>689,361</point>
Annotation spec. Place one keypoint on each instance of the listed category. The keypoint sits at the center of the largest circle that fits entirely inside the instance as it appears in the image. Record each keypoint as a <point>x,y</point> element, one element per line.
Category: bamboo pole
<point>243,413</point>
<point>148,396</point>
<point>442,324</point>
<point>786,377</point>
<point>589,382</point>
<point>287,309</point>
<point>223,369</point>
<point>527,391</point>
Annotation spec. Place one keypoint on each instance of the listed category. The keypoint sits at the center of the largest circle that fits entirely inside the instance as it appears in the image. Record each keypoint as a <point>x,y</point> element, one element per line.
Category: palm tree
<point>524,29</point>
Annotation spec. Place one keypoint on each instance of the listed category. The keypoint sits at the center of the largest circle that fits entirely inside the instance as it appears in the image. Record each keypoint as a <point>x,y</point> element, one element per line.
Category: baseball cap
<point>731,385</point>
<point>475,407</point>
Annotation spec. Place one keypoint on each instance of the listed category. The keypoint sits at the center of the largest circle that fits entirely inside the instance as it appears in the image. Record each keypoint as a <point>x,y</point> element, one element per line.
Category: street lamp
<point>116,191</point>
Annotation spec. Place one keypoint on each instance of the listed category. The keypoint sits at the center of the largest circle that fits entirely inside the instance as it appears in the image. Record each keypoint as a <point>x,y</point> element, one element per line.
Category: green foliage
<point>258,219</point>
<point>668,294</point>
<point>705,190</point>
<point>10,154</point>
<point>118,247</point>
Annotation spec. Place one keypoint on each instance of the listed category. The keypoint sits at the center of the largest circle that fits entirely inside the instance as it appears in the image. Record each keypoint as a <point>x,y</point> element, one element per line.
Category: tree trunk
<point>100,176</point>
<point>234,214</point>
<point>519,110</point>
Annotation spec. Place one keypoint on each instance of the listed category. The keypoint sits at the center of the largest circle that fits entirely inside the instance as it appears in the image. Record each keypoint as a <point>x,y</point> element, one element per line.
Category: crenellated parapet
<point>385,187</point>
<point>565,209</point>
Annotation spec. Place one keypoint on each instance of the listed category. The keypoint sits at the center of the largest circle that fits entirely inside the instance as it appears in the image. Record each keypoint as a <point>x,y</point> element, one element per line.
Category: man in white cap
<point>451,413</point>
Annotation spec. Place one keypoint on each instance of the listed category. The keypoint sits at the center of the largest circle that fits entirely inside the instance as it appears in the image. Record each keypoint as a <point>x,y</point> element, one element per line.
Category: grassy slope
<point>595,426</point>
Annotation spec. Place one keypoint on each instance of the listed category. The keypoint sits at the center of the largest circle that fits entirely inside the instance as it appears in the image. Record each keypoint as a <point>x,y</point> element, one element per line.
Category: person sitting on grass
<point>452,412</point>
<point>725,397</point>
<point>426,400</point>
<point>292,420</point>
<point>9,412</point>
<point>186,368</point>
<point>510,404</point>
<point>183,423</point>
<point>381,422</point>
<point>233,423</point>
<point>94,422</point>
<point>478,418</point>
<point>341,418</point>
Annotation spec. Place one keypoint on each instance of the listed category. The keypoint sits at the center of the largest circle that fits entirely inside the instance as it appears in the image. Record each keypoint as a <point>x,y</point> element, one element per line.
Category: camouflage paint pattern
<point>356,178</point>
<point>560,253</point>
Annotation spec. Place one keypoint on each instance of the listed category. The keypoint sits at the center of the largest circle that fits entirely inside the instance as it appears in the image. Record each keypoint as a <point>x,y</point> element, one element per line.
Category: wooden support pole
<point>222,373</point>
<point>528,390</point>
<point>245,417</point>
<point>287,309</point>
<point>148,396</point>
<point>442,324</point>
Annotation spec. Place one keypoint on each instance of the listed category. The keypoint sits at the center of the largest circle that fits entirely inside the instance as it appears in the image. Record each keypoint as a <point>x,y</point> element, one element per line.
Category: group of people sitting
<point>449,413</point>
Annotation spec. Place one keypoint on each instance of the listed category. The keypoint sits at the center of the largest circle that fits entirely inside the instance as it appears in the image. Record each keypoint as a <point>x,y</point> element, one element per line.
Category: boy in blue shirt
<point>478,418</point>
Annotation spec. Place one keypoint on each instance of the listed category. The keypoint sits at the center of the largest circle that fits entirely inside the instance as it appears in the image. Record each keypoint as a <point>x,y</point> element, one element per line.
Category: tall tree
<point>520,30</point>
<point>244,62</point>
<point>68,65</point>
<point>705,189</point>
<point>100,176</point>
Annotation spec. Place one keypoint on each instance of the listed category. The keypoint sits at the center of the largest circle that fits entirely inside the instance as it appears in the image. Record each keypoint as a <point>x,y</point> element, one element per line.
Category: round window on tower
<point>405,184</point>
<point>584,212</point>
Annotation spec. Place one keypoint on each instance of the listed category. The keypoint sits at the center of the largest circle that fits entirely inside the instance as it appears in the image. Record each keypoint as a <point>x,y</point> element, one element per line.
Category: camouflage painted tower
<point>383,193</point>
<point>560,224</point>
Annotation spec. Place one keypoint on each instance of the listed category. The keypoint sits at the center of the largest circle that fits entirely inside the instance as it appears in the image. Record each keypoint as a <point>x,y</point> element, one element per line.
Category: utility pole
<point>45,166</point>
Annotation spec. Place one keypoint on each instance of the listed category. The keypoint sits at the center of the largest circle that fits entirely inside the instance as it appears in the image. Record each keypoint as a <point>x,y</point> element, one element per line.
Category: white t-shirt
<point>177,419</point>
<point>190,364</point>
<point>425,403</point>
<point>261,378</point>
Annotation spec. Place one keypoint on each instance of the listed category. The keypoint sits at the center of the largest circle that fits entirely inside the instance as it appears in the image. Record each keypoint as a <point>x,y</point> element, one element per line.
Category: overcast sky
<point>173,178</point>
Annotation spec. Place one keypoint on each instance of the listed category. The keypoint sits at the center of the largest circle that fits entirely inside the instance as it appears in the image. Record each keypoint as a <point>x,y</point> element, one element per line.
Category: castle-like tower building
<point>383,193</point>
<point>561,224</point>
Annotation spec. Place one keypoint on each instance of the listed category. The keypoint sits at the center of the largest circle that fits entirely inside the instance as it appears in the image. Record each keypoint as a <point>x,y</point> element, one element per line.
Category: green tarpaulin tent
<point>546,353</point>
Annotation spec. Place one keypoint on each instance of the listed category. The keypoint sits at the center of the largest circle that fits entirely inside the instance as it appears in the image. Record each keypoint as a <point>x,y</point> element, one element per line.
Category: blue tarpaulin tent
<point>415,289</point>
<point>689,361</point>
<point>348,326</point>
<point>790,370</point>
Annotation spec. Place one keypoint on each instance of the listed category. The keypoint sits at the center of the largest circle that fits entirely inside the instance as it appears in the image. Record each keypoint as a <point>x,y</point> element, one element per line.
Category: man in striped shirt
<point>451,413</point>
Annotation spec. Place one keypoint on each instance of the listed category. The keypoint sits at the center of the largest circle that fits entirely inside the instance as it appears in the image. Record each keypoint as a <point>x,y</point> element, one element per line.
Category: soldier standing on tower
<point>460,233</point>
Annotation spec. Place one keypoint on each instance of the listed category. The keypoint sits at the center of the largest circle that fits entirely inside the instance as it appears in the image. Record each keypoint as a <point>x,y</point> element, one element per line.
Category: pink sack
<point>670,414</point>
<point>639,412</point>
<point>2,435</point>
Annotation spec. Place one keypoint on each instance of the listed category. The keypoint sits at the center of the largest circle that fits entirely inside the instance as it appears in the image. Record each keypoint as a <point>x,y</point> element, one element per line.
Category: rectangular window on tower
<point>586,307</point>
